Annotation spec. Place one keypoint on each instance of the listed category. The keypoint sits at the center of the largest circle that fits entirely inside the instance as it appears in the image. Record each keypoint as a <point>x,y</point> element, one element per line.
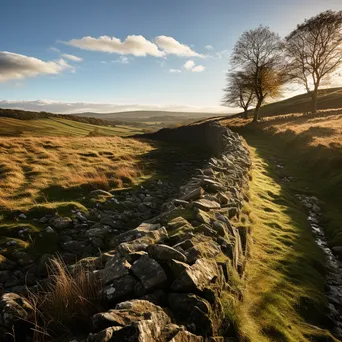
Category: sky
<point>115,55</point>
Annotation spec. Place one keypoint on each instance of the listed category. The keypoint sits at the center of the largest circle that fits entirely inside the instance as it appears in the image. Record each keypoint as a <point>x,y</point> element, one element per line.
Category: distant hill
<point>146,114</point>
<point>330,98</point>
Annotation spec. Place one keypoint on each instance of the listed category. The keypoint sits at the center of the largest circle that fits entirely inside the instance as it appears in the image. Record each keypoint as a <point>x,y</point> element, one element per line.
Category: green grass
<point>59,127</point>
<point>283,295</point>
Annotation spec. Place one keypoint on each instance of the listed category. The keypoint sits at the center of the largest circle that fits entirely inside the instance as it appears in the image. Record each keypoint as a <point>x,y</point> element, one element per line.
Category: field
<point>56,127</point>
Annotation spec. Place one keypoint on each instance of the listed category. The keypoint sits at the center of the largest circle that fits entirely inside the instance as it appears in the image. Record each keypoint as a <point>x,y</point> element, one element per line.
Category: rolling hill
<point>330,98</point>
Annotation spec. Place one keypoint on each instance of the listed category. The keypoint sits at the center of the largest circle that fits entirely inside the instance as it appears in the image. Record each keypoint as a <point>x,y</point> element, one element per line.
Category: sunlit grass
<point>284,283</point>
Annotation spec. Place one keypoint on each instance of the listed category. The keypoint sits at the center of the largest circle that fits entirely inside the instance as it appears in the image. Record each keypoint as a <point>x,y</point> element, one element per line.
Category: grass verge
<point>283,295</point>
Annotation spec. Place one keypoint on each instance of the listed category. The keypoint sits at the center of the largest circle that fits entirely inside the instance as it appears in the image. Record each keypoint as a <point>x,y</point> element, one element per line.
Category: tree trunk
<point>314,101</point>
<point>245,114</point>
<point>256,111</point>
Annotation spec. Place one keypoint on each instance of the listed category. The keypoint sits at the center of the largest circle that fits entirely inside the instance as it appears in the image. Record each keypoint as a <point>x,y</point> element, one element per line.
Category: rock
<point>206,205</point>
<point>119,288</point>
<point>141,321</point>
<point>337,250</point>
<point>179,222</point>
<point>186,336</point>
<point>81,217</point>
<point>4,275</point>
<point>150,273</point>
<point>193,309</point>
<point>22,216</point>
<point>203,217</point>
<point>50,230</point>
<point>212,185</point>
<point>61,222</point>
<point>207,248</point>
<point>177,267</point>
<point>142,230</point>
<point>6,264</point>
<point>316,209</point>
<point>105,335</point>
<point>99,232</point>
<point>165,253</point>
<point>156,236</point>
<point>115,267</point>
<point>193,194</point>
<point>197,277</point>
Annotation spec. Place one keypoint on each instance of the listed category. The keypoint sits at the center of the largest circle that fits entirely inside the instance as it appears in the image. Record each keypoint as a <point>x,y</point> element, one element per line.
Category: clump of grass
<point>66,304</point>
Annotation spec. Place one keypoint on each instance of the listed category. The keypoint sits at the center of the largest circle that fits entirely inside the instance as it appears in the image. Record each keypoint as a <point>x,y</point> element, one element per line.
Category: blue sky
<point>200,31</point>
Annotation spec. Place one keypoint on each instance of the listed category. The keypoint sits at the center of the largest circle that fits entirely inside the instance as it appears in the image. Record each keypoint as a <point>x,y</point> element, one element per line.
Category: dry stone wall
<point>163,280</point>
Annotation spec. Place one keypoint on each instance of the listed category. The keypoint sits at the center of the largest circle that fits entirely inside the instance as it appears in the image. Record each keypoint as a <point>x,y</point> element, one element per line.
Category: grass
<point>40,176</point>
<point>54,127</point>
<point>283,295</point>
<point>66,305</point>
<point>312,147</point>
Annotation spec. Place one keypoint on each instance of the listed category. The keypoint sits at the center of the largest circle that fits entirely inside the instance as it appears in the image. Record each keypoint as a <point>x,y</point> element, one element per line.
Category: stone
<point>140,321</point>
<point>140,231</point>
<point>206,205</point>
<point>186,336</point>
<point>140,244</point>
<point>6,264</point>
<point>193,194</point>
<point>4,275</point>
<point>177,267</point>
<point>81,217</point>
<point>197,277</point>
<point>203,217</point>
<point>50,230</point>
<point>104,335</point>
<point>337,250</point>
<point>61,222</point>
<point>212,185</point>
<point>115,267</point>
<point>178,222</point>
<point>165,253</point>
<point>207,248</point>
<point>22,216</point>
<point>149,272</point>
<point>119,288</point>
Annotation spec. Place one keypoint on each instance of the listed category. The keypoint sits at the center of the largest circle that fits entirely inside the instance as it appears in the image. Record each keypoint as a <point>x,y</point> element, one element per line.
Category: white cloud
<point>172,47</point>
<point>223,54</point>
<point>132,45</point>
<point>198,68</point>
<point>72,57</point>
<point>176,71</point>
<point>81,107</point>
<point>209,47</point>
<point>123,60</point>
<point>189,65</point>
<point>136,45</point>
<point>15,66</point>
<point>53,49</point>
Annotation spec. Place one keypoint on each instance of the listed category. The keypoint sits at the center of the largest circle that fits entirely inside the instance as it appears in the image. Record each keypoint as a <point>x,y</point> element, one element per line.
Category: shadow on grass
<point>292,297</point>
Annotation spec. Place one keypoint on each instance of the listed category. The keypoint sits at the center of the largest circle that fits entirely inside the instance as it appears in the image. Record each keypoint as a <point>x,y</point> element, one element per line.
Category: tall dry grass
<point>31,168</point>
<point>66,304</point>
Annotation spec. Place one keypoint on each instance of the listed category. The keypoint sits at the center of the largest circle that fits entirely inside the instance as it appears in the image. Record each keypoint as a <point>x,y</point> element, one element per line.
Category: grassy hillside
<point>59,127</point>
<point>313,146</point>
<point>330,98</point>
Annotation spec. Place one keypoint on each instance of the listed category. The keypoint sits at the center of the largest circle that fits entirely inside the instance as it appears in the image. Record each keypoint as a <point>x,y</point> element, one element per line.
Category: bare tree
<point>259,53</point>
<point>239,92</point>
<point>314,51</point>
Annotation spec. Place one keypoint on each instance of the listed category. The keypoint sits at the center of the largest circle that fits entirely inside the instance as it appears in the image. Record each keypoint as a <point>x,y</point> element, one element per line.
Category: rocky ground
<point>169,254</point>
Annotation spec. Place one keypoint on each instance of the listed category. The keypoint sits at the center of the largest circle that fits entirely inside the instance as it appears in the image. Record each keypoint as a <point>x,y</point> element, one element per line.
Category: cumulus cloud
<point>209,47</point>
<point>175,71</point>
<point>72,57</point>
<point>132,45</point>
<point>81,107</point>
<point>172,47</point>
<point>198,68</point>
<point>16,66</point>
<point>136,45</point>
<point>189,65</point>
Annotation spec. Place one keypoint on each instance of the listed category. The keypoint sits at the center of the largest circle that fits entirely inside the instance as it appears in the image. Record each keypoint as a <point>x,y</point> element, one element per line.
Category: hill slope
<point>330,98</point>
<point>59,127</point>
